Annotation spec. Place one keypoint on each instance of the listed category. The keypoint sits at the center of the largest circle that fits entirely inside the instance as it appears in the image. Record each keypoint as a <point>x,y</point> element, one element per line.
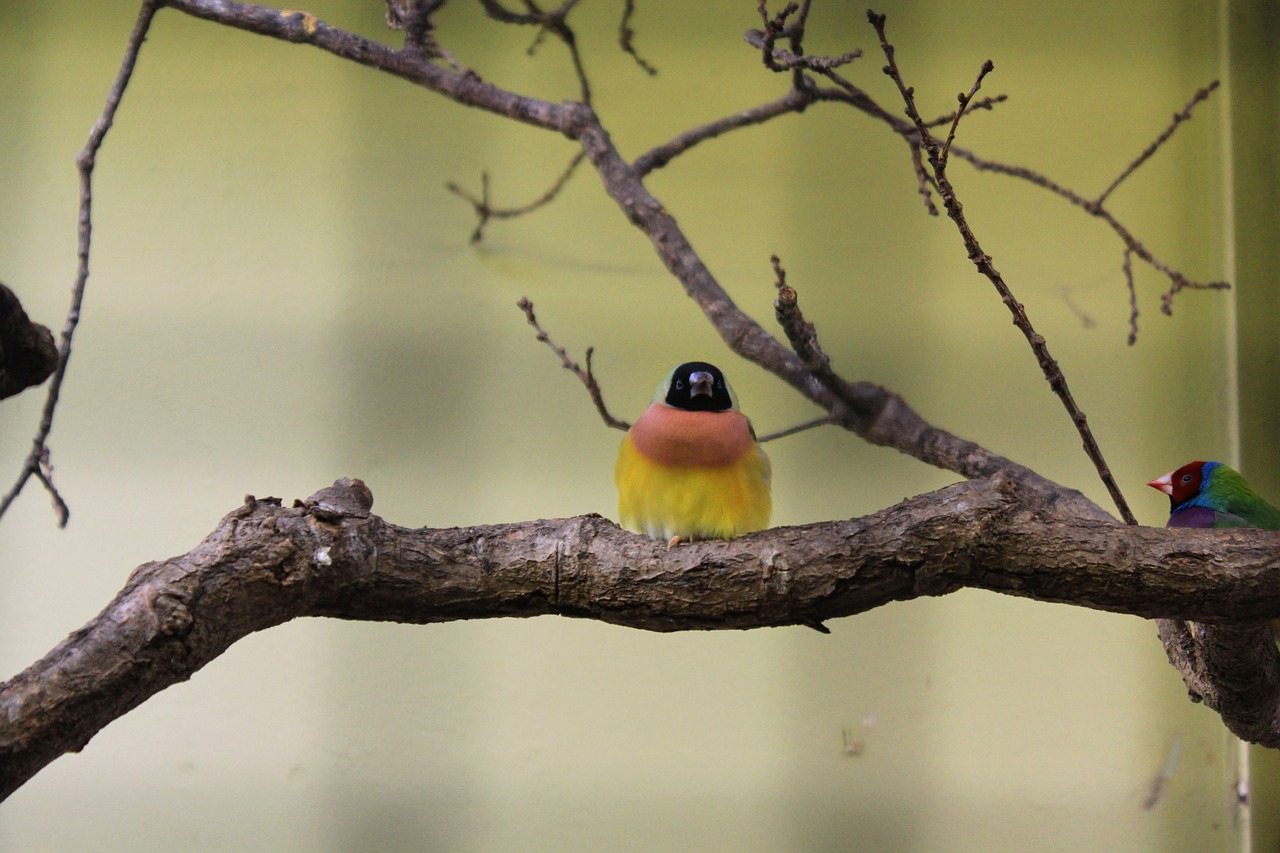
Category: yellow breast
<point>696,475</point>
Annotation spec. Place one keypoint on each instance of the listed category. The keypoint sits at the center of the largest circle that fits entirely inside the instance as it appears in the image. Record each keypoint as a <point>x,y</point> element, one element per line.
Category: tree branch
<point>938,157</point>
<point>1178,118</point>
<point>266,564</point>
<point>28,355</point>
<point>485,211</point>
<point>874,413</point>
<point>587,378</point>
<point>626,38</point>
<point>37,463</point>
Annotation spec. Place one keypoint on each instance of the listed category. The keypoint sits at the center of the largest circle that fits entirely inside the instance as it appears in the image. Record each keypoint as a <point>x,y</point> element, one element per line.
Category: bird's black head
<point>698,387</point>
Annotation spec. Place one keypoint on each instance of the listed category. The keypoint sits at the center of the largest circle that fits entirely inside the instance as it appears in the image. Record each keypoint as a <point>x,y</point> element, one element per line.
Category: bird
<point>1209,494</point>
<point>690,467</point>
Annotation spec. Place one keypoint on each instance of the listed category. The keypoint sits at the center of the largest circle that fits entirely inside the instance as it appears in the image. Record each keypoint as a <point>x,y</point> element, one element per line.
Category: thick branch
<point>266,564</point>
<point>303,28</point>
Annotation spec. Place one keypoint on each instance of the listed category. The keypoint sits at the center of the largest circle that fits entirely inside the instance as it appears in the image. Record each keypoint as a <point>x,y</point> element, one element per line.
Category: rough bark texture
<point>266,564</point>
<point>28,354</point>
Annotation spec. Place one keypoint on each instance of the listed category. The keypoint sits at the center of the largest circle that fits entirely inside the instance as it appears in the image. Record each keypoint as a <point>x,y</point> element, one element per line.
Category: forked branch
<point>938,155</point>
<point>37,463</point>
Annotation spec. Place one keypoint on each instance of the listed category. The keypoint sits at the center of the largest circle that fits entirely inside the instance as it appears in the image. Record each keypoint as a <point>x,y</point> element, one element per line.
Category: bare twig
<point>924,181</point>
<point>1177,280</point>
<point>777,59</point>
<point>554,22</point>
<point>485,211</point>
<point>626,38</point>
<point>964,101</point>
<point>847,92</point>
<point>586,376</point>
<point>796,38</point>
<point>1127,267</point>
<point>37,461</point>
<point>785,60</point>
<point>807,425</point>
<point>1178,118</point>
<point>987,104</point>
<point>414,17</point>
<point>938,161</point>
<point>1178,283</point>
<point>800,332</point>
<point>44,473</point>
<point>794,101</point>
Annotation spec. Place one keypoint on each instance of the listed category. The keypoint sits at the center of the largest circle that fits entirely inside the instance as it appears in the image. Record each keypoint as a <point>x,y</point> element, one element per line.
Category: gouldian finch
<point>690,467</point>
<point>1209,494</point>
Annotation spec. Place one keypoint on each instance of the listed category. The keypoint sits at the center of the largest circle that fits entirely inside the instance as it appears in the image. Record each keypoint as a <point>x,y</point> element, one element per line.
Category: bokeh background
<point>283,293</point>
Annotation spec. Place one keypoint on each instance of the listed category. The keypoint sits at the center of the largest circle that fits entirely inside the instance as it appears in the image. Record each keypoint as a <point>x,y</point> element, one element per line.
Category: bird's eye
<point>1186,478</point>
<point>679,384</point>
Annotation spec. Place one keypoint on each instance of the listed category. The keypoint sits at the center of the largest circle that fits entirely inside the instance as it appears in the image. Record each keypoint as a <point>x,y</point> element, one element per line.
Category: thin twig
<point>587,376</point>
<point>988,104</point>
<point>778,59</point>
<point>547,22</point>
<point>938,161</point>
<point>1095,207</point>
<point>414,17</point>
<point>626,38</point>
<point>807,425</point>
<point>772,29</point>
<point>800,332</point>
<point>1127,267</point>
<point>37,463</point>
<point>796,37</point>
<point>794,101</point>
<point>987,67</point>
<point>923,179</point>
<point>485,211</point>
<point>1178,118</point>
<point>44,473</point>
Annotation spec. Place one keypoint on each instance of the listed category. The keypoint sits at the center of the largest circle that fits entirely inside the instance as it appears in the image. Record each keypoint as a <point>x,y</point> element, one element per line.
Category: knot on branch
<point>347,497</point>
<point>28,354</point>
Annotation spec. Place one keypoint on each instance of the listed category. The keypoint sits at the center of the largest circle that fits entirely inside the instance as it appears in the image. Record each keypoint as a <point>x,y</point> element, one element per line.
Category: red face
<point>1181,485</point>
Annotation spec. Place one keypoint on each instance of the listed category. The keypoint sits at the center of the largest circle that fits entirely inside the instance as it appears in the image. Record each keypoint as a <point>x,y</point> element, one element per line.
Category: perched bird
<point>1209,494</point>
<point>690,467</point>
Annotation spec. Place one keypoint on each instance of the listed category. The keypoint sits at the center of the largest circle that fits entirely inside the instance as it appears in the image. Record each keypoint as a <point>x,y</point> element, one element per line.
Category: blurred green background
<point>282,293</point>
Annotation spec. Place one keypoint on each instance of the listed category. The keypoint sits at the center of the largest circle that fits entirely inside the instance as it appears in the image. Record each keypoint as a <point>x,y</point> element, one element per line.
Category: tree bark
<point>28,354</point>
<point>328,556</point>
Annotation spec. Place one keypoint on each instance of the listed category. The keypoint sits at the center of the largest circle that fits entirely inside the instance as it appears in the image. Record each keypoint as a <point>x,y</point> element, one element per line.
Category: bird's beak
<point>1163,484</point>
<point>700,384</point>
